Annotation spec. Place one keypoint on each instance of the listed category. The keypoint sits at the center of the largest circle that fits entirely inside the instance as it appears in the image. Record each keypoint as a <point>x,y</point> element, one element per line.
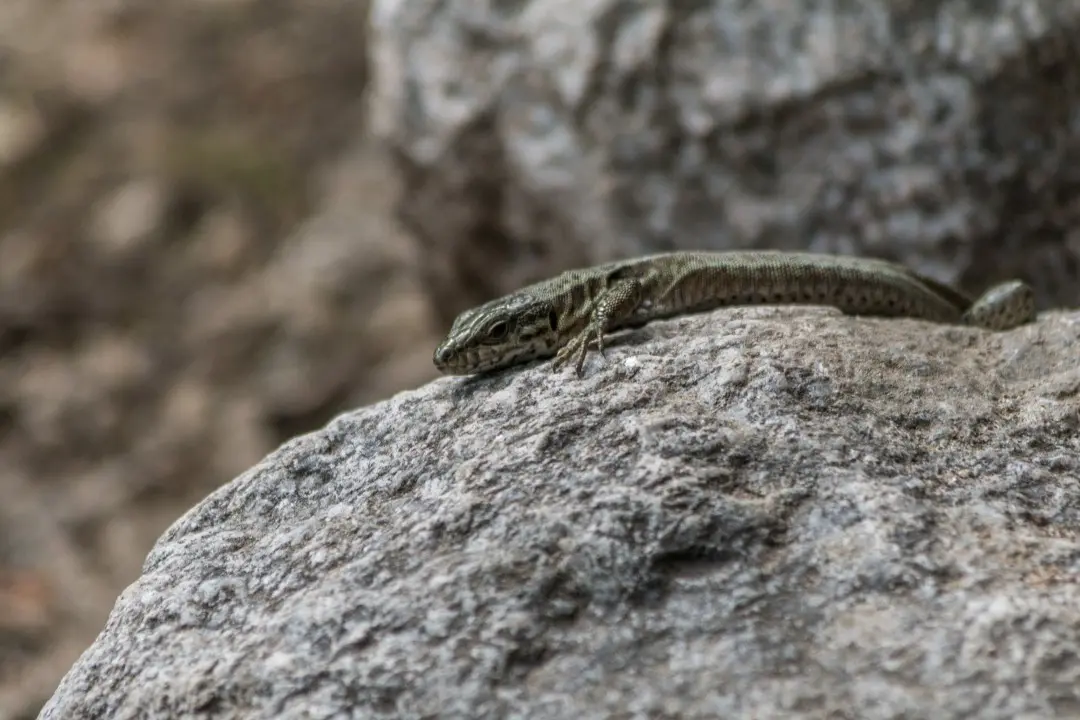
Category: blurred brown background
<point>203,250</point>
<point>197,261</point>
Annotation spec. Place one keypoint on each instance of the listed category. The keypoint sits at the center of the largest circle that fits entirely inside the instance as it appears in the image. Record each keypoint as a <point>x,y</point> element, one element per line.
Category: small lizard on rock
<point>570,313</point>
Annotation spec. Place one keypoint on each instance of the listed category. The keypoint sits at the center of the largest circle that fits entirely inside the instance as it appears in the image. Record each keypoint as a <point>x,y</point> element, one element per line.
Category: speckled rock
<point>769,513</point>
<point>539,134</point>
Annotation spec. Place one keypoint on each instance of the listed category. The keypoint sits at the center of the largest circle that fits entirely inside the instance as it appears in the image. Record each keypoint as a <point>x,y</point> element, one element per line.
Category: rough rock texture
<point>767,513</point>
<point>943,133</point>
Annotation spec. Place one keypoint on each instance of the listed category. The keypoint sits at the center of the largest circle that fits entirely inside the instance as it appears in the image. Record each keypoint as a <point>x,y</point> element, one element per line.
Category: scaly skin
<point>572,312</point>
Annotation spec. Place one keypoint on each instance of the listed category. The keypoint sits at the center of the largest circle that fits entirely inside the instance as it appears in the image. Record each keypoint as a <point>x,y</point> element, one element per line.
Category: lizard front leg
<point>616,302</point>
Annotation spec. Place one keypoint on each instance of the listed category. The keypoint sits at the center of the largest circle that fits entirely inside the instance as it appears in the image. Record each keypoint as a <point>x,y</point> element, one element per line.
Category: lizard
<point>573,312</point>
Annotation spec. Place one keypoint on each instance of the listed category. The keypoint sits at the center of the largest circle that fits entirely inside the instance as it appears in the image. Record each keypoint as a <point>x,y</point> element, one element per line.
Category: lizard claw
<point>564,354</point>
<point>581,359</point>
<point>578,349</point>
<point>591,334</point>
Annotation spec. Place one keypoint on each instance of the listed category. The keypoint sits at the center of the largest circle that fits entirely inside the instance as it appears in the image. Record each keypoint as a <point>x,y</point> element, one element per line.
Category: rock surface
<point>533,134</point>
<point>770,512</point>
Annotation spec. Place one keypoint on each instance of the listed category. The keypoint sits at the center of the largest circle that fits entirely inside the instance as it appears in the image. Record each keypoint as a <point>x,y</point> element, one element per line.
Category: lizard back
<point>681,283</point>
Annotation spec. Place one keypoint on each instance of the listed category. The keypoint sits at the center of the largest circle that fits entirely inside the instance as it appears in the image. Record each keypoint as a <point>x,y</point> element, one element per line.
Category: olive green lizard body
<point>572,313</point>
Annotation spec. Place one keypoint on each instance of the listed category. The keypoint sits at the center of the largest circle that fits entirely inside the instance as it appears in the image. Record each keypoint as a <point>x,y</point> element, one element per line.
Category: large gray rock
<point>768,513</point>
<point>538,134</point>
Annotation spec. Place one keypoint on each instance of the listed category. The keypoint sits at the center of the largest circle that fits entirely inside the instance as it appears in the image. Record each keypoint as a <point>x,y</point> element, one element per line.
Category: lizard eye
<point>498,330</point>
<point>553,320</point>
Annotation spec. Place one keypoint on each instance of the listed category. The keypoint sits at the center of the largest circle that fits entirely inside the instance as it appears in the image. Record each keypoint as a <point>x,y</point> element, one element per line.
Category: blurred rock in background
<point>200,254</point>
<point>941,133</point>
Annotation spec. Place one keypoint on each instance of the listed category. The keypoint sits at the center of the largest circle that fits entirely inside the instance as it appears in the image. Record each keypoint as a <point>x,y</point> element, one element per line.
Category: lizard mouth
<point>451,361</point>
<point>467,362</point>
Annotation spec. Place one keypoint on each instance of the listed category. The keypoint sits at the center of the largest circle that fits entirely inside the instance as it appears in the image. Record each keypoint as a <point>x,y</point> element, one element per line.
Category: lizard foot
<point>578,348</point>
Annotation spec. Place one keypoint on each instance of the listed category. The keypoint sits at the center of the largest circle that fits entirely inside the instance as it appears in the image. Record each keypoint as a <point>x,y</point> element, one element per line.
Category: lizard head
<point>503,332</point>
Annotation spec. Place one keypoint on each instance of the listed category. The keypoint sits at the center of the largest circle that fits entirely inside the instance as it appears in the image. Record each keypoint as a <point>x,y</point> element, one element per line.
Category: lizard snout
<point>445,356</point>
<point>442,354</point>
